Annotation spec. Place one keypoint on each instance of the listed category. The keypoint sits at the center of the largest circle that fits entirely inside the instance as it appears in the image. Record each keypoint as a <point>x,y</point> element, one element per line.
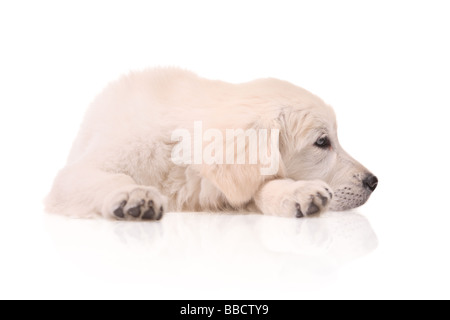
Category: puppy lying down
<point>167,140</point>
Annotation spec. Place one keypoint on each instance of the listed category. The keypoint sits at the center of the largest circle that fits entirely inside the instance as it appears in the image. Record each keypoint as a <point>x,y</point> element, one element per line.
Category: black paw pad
<point>313,208</point>
<point>161,212</point>
<point>299,211</point>
<point>135,212</point>
<point>150,213</point>
<point>323,199</point>
<point>119,211</point>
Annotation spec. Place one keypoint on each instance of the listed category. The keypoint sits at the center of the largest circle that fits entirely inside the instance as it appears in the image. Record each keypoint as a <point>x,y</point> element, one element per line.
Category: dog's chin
<point>346,199</point>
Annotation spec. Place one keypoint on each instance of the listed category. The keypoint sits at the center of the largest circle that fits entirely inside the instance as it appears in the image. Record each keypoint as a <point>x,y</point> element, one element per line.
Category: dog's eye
<point>323,142</point>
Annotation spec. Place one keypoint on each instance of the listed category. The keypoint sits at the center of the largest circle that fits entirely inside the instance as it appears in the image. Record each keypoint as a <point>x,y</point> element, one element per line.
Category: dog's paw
<point>288,198</point>
<point>316,202</point>
<point>135,203</point>
<point>308,198</point>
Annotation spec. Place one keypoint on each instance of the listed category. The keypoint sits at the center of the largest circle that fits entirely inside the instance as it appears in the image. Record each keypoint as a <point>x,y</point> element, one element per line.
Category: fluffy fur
<point>120,164</point>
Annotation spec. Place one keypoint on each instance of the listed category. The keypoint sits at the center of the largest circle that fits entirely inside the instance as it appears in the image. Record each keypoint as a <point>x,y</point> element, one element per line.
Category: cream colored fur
<point>121,158</point>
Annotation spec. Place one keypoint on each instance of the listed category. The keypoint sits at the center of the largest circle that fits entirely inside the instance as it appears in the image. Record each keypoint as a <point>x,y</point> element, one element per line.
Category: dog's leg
<point>82,191</point>
<point>288,198</point>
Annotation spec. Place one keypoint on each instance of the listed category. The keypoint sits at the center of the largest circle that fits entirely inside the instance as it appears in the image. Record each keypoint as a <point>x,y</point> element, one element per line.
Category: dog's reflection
<point>208,244</point>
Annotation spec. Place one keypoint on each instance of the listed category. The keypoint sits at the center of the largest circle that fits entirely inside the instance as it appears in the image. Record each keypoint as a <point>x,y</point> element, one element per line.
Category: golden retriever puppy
<point>166,139</point>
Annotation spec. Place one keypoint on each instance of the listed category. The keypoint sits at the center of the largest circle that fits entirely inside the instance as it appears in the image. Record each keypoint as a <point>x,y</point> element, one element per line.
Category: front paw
<point>135,203</point>
<point>308,198</point>
<point>288,198</point>
<point>315,203</point>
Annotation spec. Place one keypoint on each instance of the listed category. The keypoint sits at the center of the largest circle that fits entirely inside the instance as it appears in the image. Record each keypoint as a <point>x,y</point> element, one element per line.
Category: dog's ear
<point>262,162</point>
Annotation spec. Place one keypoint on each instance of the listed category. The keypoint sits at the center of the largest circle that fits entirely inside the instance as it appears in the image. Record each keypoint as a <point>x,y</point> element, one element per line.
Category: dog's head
<point>312,151</point>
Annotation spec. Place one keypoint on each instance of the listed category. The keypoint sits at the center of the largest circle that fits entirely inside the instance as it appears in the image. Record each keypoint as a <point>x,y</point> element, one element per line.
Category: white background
<point>384,66</point>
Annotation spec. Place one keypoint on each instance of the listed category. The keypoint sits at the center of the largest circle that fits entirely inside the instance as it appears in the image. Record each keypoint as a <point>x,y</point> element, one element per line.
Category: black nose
<point>370,182</point>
